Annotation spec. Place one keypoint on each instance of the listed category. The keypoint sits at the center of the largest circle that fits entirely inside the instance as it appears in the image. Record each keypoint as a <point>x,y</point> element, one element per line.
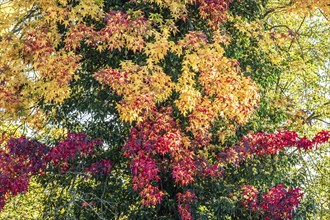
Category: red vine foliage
<point>184,207</point>
<point>18,162</point>
<point>23,158</point>
<point>75,146</point>
<point>157,147</point>
<point>278,203</point>
<point>262,143</point>
<point>100,168</point>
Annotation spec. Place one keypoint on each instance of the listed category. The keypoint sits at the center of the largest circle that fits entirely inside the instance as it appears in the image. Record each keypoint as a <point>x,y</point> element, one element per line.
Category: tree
<point>164,102</point>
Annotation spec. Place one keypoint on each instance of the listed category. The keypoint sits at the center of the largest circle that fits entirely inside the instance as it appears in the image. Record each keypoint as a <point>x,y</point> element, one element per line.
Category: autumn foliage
<point>171,80</point>
<point>157,147</point>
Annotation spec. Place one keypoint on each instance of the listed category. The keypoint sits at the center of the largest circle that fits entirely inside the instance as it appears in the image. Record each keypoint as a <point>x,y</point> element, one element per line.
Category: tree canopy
<point>173,109</point>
